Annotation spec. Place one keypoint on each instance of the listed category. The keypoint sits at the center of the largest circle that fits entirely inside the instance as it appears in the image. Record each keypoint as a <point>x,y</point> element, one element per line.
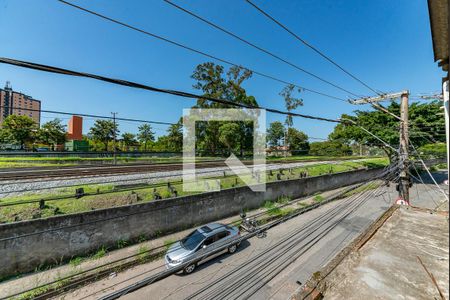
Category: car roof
<point>211,228</point>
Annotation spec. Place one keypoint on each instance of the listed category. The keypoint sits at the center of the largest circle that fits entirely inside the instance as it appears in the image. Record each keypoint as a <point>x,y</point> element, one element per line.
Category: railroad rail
<point>18,174</point>
<point>82,171</point>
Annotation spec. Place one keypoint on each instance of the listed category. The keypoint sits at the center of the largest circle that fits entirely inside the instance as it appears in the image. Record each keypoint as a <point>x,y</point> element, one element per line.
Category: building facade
<point>15,103</point>
<point>75,128</point>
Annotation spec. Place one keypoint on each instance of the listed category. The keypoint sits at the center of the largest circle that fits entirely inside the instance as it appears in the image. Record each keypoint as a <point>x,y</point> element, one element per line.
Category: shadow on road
<point>439,176</point>
<point>219,259</point>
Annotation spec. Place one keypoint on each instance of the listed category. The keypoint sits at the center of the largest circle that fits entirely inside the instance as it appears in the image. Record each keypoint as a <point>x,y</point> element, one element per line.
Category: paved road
<point>273,267</point>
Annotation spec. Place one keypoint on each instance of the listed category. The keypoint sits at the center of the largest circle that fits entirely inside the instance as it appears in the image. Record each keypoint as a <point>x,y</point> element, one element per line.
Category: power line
<point>147,251</point>
<point>195,50</point>
<point>56,70</point>
<point>428,171</point>
<point>86,115</point>
<point>311,47</point>
<point>311,226</point>
<point>259,48</point>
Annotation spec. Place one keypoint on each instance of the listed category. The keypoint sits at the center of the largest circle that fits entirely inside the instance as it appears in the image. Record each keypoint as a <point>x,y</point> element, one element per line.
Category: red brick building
<point>15,103</point>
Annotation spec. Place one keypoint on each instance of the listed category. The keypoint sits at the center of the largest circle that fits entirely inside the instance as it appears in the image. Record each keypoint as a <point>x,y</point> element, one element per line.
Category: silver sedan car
<point>201,245</point>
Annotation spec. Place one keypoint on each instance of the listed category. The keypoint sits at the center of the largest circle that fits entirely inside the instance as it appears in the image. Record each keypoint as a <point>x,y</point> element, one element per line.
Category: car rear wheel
<point>232,249</point>
<point>189,269</point>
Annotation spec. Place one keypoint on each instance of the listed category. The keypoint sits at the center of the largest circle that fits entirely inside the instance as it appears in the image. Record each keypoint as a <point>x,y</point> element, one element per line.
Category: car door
<point>216,241</point>
<point>205,247</point>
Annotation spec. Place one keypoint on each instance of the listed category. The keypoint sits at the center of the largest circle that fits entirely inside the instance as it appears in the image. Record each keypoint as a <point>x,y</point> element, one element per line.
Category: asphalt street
<point>271,267</point>
<point>275,266</point>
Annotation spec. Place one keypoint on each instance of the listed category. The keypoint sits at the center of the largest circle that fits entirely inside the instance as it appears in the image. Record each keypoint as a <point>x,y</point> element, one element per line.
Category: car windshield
<point>192,240</point>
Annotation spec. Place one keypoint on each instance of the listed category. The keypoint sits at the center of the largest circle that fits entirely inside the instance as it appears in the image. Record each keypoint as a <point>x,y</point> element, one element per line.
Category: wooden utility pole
<point>403,187</point>
<point>404,145</point>
<point>114,137</point>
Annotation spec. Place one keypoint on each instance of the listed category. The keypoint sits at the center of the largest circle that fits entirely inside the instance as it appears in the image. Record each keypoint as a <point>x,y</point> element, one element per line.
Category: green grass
<point>168,243</point>
<point>100,253</point>
<point>311,157</point>
<point>76,261</point>
<point>272,209</point>
<point>104,196</point>
<point>143,253</point>
<point>41,161</point>
<point>121,244</point>
<point>16,164</point>
<point>286,211</point>
<point>283,199</point>
<point>269,205</point>
<point>318,198</point>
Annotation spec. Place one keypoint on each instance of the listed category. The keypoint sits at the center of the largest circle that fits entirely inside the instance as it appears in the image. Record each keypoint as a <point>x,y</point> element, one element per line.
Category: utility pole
<point>114,137</point>
<point>403,187</point>
<point>404,145</point>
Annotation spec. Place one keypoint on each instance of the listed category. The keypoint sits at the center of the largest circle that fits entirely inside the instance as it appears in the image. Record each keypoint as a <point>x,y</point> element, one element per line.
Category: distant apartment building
<point>15,103</point>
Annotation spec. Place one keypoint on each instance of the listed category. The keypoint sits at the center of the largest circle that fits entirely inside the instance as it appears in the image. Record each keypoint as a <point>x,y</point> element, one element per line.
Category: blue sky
<point>386,43</point>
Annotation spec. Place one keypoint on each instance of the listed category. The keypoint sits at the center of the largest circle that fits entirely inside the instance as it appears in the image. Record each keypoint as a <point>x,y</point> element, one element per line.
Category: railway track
<point>87,171</point>
<point>44,173</point>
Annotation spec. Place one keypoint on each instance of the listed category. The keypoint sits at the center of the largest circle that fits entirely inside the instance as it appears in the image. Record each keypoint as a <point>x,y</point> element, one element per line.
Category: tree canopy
<point>52,133</point>
<point>104,130</point>
<point>422,118</point>
<point>145,135</point>
<point>275,134</point>
<point>215,82</point>
<point>329,148</point>
<point>297,140</point>
<point>18,130</point>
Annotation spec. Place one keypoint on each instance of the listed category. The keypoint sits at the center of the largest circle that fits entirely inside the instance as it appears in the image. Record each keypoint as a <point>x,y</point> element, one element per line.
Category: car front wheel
<point>232,249</point>
<point>189,269</point>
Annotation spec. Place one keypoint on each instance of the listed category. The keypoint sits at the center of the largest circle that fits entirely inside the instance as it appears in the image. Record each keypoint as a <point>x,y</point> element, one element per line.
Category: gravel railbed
<point>15,188</point>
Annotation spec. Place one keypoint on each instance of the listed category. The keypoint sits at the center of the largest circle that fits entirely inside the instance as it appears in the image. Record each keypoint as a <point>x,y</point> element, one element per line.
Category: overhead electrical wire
<point>151,250</point>
<point>227,284</point>
<point>86,115</point>
<point>428,171</point>
<point>259,48</point>
<point>56,70</point>
<point>304,42</point>
<point>196,50</point>
<point>156,248</point>
<point>153,278</point>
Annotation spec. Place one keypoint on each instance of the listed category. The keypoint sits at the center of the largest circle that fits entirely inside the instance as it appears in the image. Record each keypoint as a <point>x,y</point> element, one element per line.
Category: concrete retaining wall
<point>26,245</point>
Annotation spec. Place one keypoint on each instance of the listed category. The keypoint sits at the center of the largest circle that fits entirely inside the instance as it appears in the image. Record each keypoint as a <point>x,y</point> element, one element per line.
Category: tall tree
<point>18,130</point>
<point>52,133</point>
<point>297,140</point>
<point>213,81</point>
<point>422,117</point>
<point>145,135</point>
<point>229,135</point>
<point>175,136</point>
<point>290,103</point>
<point>103,130</point>
<point>128,140</point>
<point>329,148</point>
<point>275,134</point>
